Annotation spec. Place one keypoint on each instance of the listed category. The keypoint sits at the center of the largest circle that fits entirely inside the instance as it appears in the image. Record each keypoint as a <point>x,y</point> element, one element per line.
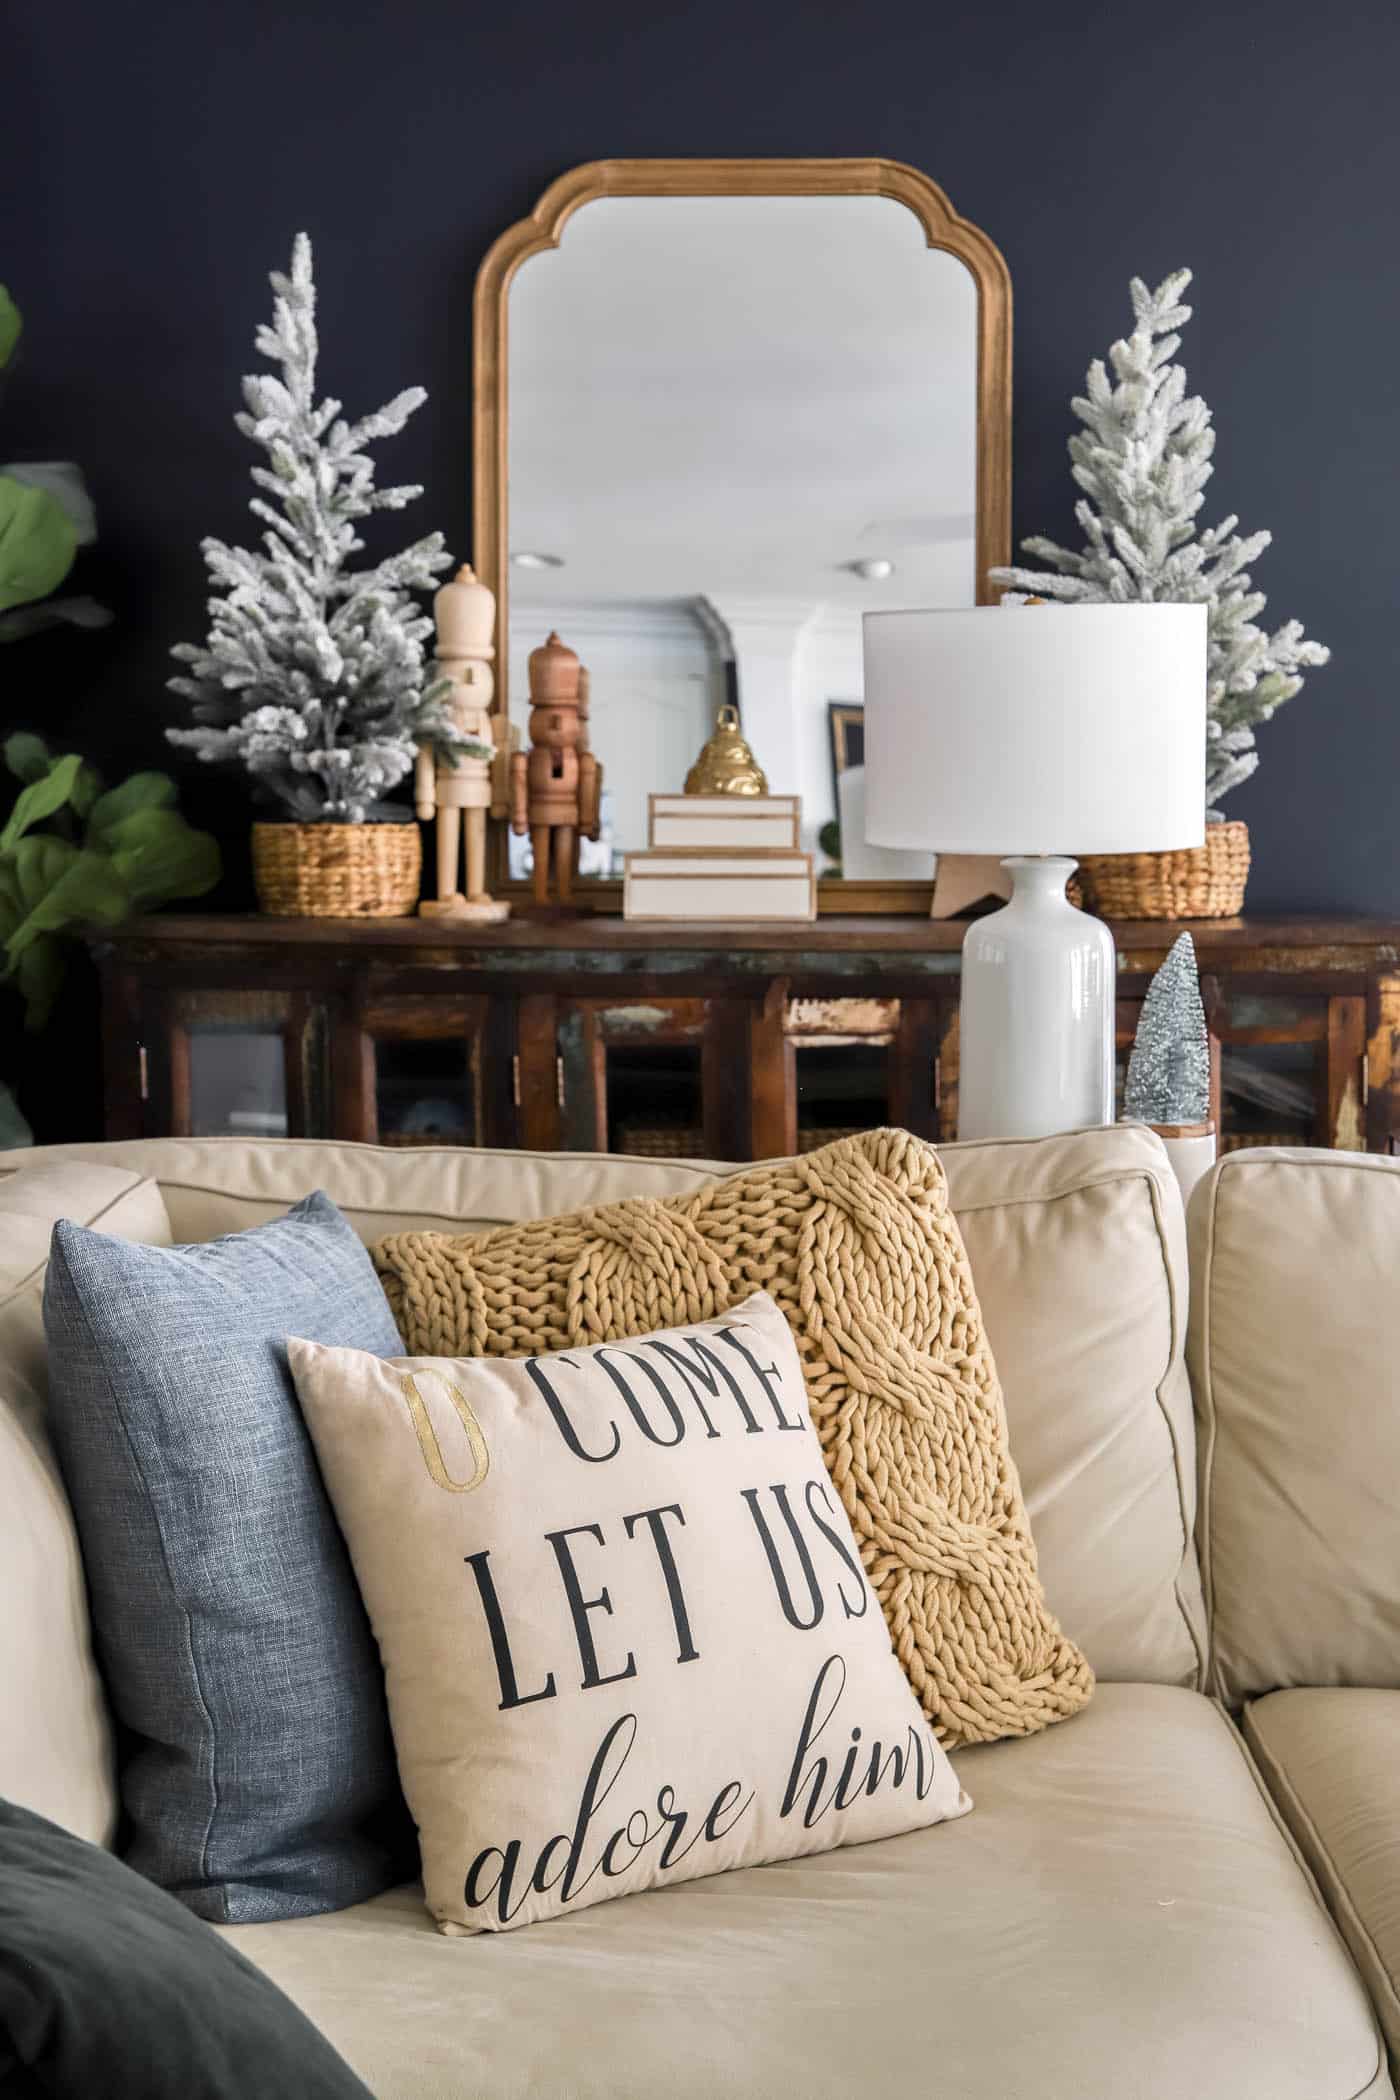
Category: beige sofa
<point>1143,1902</point>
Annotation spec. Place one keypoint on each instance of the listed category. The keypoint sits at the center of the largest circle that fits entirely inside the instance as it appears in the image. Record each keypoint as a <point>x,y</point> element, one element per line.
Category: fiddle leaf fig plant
<point>45,516</point>
<point>38,542</point>
<point>74,853</point>
<point>44,797</point>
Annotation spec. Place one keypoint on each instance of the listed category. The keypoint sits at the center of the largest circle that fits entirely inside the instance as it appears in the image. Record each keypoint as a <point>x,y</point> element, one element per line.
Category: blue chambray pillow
<point>258,1779</point>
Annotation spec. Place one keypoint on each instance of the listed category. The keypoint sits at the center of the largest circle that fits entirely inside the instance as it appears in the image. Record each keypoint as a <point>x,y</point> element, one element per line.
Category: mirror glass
<point>735,424</point>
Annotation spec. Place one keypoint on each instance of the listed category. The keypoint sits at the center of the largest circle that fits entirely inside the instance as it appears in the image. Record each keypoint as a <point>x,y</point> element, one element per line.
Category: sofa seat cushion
<point>1330,1759</point>
<point>1121,1915</point>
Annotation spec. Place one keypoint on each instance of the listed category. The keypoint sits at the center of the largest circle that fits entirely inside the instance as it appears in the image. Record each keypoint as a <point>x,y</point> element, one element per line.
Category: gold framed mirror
<point>741,403</point>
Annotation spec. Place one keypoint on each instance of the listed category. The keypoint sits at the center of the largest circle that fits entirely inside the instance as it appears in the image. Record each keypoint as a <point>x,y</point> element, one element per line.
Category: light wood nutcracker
<point>459,791</point>
<point>556,787</point>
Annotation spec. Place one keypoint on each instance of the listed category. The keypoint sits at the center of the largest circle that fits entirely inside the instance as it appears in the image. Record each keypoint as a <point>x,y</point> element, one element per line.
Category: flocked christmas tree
<point>313,673</point>
<point>1143,459</point>
<point>1169,1068</point>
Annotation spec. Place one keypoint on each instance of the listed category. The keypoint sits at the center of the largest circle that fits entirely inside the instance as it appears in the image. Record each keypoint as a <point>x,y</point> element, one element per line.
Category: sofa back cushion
<point>55,1739</point>
<point>1078,1250</point>
<point>1077,1247</point>
<point>214,1185</point>
<point>1295,1261</point>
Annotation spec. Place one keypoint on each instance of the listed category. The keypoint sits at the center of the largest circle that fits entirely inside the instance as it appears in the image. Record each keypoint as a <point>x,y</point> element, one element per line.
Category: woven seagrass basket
<point>1202,882</point>
<point>337,871</point>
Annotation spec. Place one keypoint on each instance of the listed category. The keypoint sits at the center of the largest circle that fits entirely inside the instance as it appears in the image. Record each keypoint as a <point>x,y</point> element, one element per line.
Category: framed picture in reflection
<point>846,724</point>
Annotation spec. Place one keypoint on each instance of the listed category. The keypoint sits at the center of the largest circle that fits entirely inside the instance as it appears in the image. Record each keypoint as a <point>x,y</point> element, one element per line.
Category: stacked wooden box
<point>733,858</point>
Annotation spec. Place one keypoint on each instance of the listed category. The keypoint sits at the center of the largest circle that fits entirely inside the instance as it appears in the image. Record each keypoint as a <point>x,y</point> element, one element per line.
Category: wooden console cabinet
<point>731,1043</point>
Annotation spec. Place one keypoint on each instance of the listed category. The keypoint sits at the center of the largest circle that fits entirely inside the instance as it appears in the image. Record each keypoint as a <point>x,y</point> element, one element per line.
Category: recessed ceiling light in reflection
<point>873,569</point>
<point>528,560</point>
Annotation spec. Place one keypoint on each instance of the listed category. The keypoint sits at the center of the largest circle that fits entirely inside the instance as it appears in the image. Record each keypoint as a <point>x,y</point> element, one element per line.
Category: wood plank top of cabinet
<point>1314,943</point>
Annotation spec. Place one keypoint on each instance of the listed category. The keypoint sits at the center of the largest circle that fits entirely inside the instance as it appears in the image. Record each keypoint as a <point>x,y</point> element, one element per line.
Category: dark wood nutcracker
<point>556,787</point>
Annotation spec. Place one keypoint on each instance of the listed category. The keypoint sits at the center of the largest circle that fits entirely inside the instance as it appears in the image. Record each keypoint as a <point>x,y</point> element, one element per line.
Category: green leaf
<point>38,978</point>
<point>87,790</point>
<point>64,888</point>
<point>27,756</point>
<point>12,904</point>
<point>141,791</point>
<point>38,862</point>
<point>11,327</point>
<point>158,856</point>
<point>37,543</point>
<point>63,480</point>
<point>41,798</point>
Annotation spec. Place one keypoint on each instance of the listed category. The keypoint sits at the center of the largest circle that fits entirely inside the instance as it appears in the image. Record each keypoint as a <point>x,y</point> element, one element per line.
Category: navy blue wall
<point>157,160</point>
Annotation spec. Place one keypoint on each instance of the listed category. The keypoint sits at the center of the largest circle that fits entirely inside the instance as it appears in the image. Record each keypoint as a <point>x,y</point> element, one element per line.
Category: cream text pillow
<point>626,1632</point>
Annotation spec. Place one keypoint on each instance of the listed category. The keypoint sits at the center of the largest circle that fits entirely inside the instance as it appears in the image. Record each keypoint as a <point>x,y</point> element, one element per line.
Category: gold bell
<point>726,766</point>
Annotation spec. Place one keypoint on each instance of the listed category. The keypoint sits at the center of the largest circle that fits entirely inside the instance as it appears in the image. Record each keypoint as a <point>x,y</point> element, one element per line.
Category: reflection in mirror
<point>735,424</point>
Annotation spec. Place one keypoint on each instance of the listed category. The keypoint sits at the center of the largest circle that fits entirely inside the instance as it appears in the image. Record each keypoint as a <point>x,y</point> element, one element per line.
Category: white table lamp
<point>860,861</point>
<point>1036,732</point>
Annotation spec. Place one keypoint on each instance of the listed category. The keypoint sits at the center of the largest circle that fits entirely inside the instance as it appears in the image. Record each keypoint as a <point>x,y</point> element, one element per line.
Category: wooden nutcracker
<point>458,791</point>
<point>556,787</point>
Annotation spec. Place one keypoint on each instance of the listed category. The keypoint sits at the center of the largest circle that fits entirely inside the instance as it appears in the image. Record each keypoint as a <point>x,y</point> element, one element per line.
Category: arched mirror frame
<point>943,228</point>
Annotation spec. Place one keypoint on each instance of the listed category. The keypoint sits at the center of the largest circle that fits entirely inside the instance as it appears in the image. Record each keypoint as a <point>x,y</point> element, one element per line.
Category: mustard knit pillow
<point>860,1249</point>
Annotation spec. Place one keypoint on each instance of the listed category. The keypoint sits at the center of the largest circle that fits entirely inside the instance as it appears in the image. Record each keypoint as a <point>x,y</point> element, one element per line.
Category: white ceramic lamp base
<point>1191,1150</point>
<point>1035,1050</point>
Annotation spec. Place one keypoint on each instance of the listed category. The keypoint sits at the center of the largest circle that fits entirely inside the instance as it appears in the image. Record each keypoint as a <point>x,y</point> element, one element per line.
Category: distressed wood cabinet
<point>730,1043</point>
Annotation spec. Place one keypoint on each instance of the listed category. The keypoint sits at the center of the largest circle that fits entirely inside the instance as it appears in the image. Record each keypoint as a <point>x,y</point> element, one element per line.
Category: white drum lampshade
<point>1036,731</point>
<point>860,861</point>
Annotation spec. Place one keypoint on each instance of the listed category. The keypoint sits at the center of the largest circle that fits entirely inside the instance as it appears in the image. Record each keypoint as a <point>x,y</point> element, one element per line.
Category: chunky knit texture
<point>859,1247</point>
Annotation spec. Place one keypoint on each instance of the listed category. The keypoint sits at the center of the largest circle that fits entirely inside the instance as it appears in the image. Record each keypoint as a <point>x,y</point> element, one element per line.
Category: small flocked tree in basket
<point>313,675</point>
<point>1142,460</point>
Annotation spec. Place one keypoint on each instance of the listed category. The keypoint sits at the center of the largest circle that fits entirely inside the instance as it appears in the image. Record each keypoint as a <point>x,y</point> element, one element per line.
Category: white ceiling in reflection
<point>718,395</point>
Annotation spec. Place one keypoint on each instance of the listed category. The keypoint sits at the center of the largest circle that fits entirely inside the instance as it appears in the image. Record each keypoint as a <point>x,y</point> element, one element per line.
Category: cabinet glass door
<point>860,1063</point>
<point>232,1063</point>
<point>427,1092</point>
<point>425,1077</point>
<point>238,1081</point>
<point>631,1076</point>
